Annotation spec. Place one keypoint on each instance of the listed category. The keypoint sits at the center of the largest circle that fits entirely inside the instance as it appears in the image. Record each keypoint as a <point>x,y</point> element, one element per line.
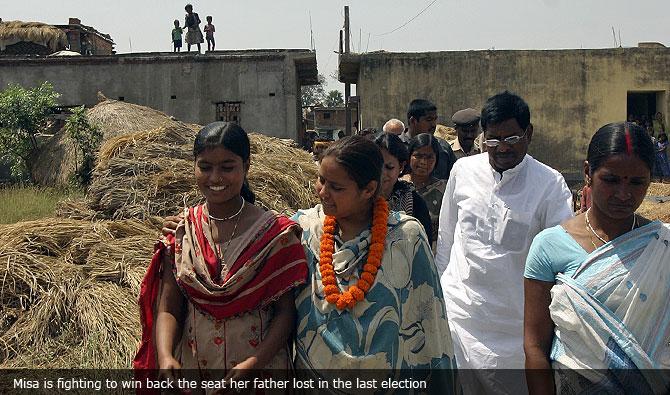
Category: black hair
<point>367,132</point>
<point>187,6</point>
<point>360,157</point>
<point>393,145</point>
<point>425,140</point>
<point>230,136</point>
<point>208,17</point>
<point>419,107</point>
<point>620,138</point>
<point>504,106</point>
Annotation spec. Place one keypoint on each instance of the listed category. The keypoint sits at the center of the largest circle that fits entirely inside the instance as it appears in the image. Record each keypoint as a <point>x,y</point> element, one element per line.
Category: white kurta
<point>487,223</point>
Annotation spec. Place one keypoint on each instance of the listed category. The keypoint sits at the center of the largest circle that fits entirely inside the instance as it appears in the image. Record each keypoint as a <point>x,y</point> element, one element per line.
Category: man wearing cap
<point>466,123</point>
<point>494,205</point>
<point>422,118</point>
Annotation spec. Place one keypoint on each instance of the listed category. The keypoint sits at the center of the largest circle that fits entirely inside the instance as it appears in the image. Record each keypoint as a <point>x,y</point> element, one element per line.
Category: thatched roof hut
<point>14,32</point>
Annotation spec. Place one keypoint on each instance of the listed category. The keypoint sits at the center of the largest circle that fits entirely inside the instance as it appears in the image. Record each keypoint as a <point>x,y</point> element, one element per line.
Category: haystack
<point>151,174</point>
<point>12,32</point>
<point>68,292</point>
<point>56,162</point>
<point>145,167</point>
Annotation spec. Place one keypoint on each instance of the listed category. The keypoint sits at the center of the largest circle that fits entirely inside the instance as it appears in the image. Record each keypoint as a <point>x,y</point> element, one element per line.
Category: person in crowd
<point>317,150</point>
<point>218,293</point>
<point>596,286</point>
<point>308,138</point>
<point>373,299</point>
<point>422,118</point>
<point>424,152</point>
<point>585,198</point>
<point>401,194</point>
<point>493,207</point>
<point>177,33</point>
<point>662,167</point>
<point>369,133</point>
<point>209,33</point>
<point>468,140</point>
<point>658,124</point>
<point>194,34</point>
<point>394,126</point>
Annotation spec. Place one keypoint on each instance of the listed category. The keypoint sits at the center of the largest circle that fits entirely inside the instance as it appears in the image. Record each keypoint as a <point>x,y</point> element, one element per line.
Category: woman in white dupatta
<point>596,290</point>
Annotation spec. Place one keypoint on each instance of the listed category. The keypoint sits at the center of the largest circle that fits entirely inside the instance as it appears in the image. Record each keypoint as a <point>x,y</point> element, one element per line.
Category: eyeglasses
<point>511,140</point>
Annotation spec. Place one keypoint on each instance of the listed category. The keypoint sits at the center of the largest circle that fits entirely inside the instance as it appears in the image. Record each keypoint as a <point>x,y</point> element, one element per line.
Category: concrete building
<point>86,40</point>
<point>332,120</point>
<point>571,93</point>
<point>260,89</point>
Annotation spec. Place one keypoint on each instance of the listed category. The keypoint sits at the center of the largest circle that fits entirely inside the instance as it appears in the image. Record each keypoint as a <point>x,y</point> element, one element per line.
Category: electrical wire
<point>408,22</point>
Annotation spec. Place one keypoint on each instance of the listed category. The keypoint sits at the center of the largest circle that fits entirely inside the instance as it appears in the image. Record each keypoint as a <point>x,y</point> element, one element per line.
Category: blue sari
<point>612,317</point>
<point>399,330</point>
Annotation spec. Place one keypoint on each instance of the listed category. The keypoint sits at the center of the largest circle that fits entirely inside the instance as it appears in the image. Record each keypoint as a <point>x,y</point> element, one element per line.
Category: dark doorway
<point>641,106</point>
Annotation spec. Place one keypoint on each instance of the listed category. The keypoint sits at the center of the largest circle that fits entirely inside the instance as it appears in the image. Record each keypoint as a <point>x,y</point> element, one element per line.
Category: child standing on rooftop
<point>176,36</point>
<point>192,22</point>
<point>209,33</point>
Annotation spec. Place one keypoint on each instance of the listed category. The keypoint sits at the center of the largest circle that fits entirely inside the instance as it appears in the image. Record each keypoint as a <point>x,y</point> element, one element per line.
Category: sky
<point>389,25</point>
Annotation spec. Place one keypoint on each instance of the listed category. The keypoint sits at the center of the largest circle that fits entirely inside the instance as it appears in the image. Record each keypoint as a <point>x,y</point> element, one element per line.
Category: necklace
<point>590,228</point>
<point>220,251</point>
<point>354,293</point>
<point>227,218</point>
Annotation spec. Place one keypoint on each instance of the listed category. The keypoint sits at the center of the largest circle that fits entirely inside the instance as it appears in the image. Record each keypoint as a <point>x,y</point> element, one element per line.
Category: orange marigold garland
<point>354,293</point>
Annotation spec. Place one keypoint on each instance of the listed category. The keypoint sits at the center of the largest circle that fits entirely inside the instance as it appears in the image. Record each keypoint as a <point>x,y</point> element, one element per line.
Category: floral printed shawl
<point>400,325</point>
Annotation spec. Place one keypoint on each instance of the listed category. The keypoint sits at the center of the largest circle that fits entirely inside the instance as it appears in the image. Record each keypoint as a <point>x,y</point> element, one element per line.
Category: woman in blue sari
<point>373,298</point>
<point>597,309</point>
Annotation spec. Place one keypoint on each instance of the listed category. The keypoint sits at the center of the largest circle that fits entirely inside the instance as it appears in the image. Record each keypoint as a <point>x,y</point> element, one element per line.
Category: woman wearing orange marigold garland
<point>373,298</point>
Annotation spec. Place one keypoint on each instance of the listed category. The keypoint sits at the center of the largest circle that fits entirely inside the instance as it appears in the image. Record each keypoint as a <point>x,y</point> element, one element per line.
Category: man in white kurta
<point>494,204</point>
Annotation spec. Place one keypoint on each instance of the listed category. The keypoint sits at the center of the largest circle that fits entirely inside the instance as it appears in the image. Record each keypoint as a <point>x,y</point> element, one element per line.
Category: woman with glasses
<point>424,151</point>
<point>597,285</point>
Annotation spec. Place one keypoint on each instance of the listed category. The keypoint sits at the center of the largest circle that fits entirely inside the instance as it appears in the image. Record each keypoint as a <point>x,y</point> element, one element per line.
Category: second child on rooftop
<point>209,33</point>
<point>176,36</point>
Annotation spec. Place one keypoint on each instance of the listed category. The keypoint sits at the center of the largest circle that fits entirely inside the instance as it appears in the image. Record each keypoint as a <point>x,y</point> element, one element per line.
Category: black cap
<point>465,117</point>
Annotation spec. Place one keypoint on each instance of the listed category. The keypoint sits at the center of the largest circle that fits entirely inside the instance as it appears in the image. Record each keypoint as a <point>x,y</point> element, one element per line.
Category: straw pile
<point>653,209</point>
<point>56,161</point>
<point>145,167</point>
<point>12,32</point>
<point>68,289</point>
<point>151,173</point>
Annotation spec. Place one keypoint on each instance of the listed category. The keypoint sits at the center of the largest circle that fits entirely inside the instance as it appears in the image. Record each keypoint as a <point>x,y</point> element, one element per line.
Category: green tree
<point>334,99</point>
<point>87,138</point>
<point>23,115</point>
<point>313,95</point>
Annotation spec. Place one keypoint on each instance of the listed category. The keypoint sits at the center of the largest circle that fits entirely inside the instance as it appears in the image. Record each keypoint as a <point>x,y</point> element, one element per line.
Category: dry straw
<point>67,290</point>
<point>12,32</point>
